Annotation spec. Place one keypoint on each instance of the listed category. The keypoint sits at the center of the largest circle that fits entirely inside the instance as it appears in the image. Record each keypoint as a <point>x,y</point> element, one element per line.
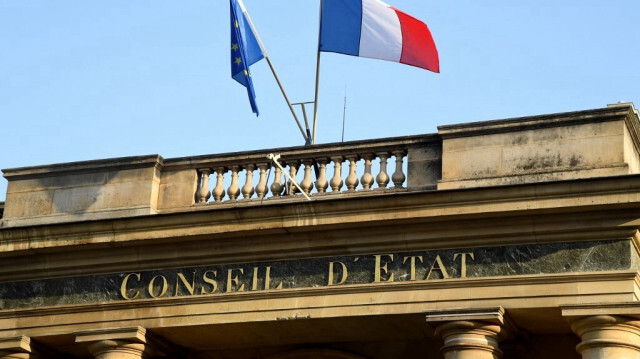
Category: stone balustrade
<point>312,183</point>
<point>345,168</point>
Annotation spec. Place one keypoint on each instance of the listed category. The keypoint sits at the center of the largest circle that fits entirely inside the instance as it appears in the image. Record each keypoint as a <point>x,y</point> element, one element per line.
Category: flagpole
<point>266,56</point>
<point>315,101</point>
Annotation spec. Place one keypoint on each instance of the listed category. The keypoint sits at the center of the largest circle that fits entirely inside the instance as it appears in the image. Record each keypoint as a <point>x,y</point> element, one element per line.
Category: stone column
<point>22,347</point>
<point>123,343</point>
<point>118,349</point>
<point>608,336</point>
<point>469,340</point>
<point>469,334</point>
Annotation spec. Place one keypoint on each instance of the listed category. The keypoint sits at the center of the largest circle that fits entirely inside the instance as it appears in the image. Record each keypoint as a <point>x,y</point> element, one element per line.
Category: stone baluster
<point>383,178</point>
<point>234,191</point>
<point>336,181</point>
<point>321,182</point>
<point>247,189</point>
<point>367,177</point>
<point>307,183</point>
<point>352,179</point>
<point>276,186</point>
<point>261,188</point>
<point>293,170</point>
<point>608,336</point>
<point>398,176</point>
<point>203,194</point>
<point>218,190</point>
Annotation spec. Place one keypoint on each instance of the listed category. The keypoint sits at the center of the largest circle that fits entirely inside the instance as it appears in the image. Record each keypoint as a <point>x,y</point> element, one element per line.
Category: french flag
<point>371,28</point>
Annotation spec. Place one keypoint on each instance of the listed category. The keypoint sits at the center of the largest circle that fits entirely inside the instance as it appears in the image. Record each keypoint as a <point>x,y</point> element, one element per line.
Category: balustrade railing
<point>342,168</point>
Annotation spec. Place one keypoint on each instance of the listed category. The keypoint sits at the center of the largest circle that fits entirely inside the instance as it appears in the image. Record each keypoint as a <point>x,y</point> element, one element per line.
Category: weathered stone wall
<point>586,144</point>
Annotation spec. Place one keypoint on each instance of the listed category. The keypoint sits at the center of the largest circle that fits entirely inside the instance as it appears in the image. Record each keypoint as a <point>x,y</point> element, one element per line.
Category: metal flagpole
<point>266,56</point>
<point>315,101</point>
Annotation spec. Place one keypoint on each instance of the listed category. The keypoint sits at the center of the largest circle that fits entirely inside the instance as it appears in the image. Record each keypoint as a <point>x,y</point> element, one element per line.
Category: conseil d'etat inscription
<point>302,273</point>
<point>329,272</point>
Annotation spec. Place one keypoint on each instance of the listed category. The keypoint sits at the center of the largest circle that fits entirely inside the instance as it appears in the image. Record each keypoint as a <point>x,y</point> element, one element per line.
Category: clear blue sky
<point>84,80</point>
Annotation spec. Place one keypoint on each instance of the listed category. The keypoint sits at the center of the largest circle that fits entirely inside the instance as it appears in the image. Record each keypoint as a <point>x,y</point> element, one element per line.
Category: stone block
<point>631,153</point>
<point>424,168</point>
<point>54,182</point>
<point>82,190</point>
<point>536,149</point>
<point>131,175</point>
<point>479,162</point>
<point>27,204</point>
<point>177,189</point>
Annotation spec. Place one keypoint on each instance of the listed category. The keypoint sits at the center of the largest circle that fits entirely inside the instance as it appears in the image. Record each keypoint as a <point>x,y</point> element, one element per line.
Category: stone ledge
<point>108,164</point>
<point>612,113</point>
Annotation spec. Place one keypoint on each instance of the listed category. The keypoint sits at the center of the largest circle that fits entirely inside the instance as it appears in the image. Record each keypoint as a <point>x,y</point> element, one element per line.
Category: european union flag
<point>245,51</point>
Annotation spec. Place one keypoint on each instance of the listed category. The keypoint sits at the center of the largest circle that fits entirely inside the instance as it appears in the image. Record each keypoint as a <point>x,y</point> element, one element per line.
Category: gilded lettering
<point>254,282</point>
<point>163,288</point>
<point>209,280</point>
<point>463,262</point>
<point>344,273</point>
<point>234,281</point>
<point>123,286</point>
<point>189,286</point>
<point>438,266</point>
<point>267,280</point>
<point>412,264</point>
<point>377,275</point>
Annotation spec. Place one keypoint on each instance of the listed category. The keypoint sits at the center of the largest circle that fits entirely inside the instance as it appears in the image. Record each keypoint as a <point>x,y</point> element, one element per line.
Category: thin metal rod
<point>315,101</point>
<point>344,111</point>
<point>273,70</point>
<point>275,158</point>
<point>306,120</point>
<point>304,114</point>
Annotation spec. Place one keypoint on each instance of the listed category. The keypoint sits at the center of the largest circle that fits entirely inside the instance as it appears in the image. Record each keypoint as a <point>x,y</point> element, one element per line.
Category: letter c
<point>123,287</point>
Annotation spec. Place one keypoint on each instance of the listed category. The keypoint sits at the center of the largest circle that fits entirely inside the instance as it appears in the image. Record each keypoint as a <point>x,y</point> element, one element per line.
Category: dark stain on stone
<point>575,160</point>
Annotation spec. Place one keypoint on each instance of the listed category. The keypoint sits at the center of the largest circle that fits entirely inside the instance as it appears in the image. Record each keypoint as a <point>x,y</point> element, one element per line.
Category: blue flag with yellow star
<point>245,51</point>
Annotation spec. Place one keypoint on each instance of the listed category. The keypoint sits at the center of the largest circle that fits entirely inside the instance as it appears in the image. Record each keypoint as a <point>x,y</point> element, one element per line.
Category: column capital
<point>133,342</point>
<point>609,336</point>
<point>469,339</point>
<point>19,343</point>
<point>469,333</point>
<point>495,315</point>
<point>22,347</point>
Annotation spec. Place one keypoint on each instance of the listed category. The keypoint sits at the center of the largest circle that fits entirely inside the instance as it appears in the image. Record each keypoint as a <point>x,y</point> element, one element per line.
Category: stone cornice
<point>109,164</point>
<point>593,209</point>
<point>616,112</point>
<point>622,192</point>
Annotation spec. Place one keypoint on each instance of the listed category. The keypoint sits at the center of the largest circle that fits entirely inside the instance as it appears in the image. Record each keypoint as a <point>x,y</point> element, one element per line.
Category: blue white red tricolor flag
<point>245,51</point>
<point>371,28</point>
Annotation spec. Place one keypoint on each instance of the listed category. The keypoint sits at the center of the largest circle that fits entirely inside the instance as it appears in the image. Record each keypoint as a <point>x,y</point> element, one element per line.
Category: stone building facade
<point>513,238</point>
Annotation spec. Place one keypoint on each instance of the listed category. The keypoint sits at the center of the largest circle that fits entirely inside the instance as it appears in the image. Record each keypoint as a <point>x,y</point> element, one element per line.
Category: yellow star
<point>234,47</point>
<point>238,61</point>
<point>236,23</point>
<point>246,73</point>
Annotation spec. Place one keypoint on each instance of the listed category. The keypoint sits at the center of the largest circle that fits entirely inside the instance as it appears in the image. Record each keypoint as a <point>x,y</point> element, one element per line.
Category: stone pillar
<point>118,349</point>
<point>22,347</point>
<point>124,343</point>
<point>469,340</point>
<point>608,336</point>
<point>469,334</point>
